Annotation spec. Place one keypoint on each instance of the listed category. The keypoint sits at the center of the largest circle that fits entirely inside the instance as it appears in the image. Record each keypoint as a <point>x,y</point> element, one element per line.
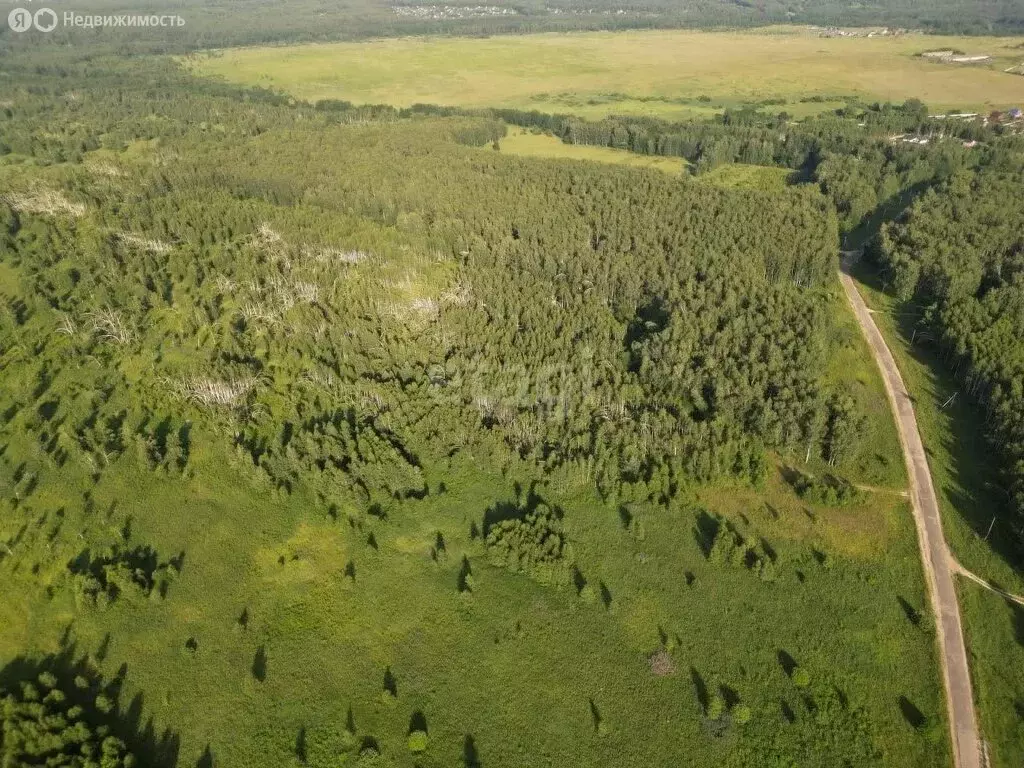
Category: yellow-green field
<point>528,144</point>
<point>652,72</point>
<point>742,176</point>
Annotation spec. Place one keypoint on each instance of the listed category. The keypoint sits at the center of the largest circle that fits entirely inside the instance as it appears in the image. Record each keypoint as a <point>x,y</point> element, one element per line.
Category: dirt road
<point>934,552</point>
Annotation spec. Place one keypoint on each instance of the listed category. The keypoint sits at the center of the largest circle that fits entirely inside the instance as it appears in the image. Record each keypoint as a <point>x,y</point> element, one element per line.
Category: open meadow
<point>670,74</point>
<point>536,144</point>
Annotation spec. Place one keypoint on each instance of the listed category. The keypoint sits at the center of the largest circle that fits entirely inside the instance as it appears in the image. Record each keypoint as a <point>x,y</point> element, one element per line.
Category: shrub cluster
<point>828,490</point>
<point>98,580</point>
<point>730,547</point>
<point>533,544</point>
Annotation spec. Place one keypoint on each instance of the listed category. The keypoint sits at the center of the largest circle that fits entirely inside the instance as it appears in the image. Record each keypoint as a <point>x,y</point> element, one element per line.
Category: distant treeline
<point>223,23</point>
<point>849,153</point>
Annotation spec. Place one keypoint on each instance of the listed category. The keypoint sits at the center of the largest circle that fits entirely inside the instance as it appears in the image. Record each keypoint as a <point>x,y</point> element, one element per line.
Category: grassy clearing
<point>554,657</point>
<point>528,144</point>
<point>737,175</point>
<point>596,74</point>
<point>743,176</point>
<point>879,460</point>
<point>969,495</point>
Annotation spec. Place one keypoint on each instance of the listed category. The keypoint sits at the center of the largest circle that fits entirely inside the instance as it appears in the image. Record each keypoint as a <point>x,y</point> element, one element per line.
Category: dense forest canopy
<point>849,153</point>
<point>959,252</point>
<point>699,311</point>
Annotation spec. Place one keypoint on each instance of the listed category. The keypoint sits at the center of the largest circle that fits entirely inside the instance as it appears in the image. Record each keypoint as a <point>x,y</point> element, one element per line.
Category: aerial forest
<point>334,434</point>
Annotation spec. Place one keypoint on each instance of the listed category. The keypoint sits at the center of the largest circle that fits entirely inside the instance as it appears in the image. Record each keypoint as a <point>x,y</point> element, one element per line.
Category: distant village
<point>1011,119</point>
<point>957,57</point>
<point>437,12</point>
<point>880,32</point>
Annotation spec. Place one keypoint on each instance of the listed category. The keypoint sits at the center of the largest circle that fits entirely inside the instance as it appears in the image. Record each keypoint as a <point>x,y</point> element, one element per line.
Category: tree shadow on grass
<point>102,651</point>
<point>390,683</point>
<point>465,575</point>
<point>595,715</point>
<point>418,722</point>
<point>729,695</point>
<point>259,664</point>
<point>787,711</point>
<point>912,614</point>
<point>470,756</point>
<point>704,531</point>
<point>915,717</point>
<point>701,689</point>
<point>787,662</point>
<point>579,581</point>
<point>206,759</point>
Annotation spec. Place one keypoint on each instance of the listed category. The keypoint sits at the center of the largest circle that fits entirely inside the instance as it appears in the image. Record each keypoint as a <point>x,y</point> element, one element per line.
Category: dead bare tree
<point>205,391</point>
<point>109,325</point>
<point>66,326</point>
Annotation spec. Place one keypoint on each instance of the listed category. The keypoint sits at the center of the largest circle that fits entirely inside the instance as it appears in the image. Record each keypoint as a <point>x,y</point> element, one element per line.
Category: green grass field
<point>732,175</point>
<point>663,73</point>
<point>529,144</point>
<point>743,176</point>
<point>555,678</point>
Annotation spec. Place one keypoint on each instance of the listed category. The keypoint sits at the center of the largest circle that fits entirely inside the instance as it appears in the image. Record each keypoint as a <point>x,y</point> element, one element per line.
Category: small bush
<point>801,678</point>
<point>716,707</point>
<point>100,580</point>
<point>418,741</point>
<point>741,714</point>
